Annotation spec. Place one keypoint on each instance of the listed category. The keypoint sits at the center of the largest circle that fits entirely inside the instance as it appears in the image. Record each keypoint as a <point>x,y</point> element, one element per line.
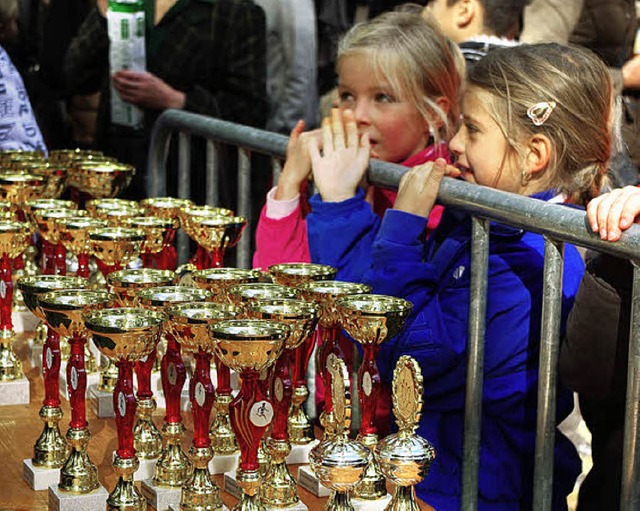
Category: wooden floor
<point>20,426</point>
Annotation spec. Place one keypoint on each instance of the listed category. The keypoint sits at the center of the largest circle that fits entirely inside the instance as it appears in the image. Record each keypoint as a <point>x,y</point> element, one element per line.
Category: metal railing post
<point>244,206</point>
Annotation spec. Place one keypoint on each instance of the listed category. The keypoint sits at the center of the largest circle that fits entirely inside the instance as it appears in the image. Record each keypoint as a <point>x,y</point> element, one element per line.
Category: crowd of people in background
<point>535,97</point>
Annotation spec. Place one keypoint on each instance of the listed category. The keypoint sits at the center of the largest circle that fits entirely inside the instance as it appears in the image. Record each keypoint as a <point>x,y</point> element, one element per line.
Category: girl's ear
<point>444,104</point>
<point>538,155</point>
<point>466,11</point>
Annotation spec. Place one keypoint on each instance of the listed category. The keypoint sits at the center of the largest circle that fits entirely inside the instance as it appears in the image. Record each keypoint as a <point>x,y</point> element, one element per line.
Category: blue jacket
<point>393,257</point>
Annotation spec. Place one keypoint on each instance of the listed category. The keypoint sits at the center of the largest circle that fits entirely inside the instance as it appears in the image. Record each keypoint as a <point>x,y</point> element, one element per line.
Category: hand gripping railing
<point>558,224</point>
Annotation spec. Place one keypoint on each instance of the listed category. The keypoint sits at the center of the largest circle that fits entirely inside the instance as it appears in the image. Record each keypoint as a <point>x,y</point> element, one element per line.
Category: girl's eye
<point>346,97</point>
<point>384,98</point>
<point>471,129</point>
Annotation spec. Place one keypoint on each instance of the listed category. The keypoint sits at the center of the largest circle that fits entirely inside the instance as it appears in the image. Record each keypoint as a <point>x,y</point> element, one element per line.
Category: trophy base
<point>159,497</point>
<point>92,380</point>
<point>63,501</point>
<point>299,506</point>
<point>231,485</point>
<point>223,463</point>
<point>15,392</point>
<point>299,454</point>
<point>35,354</point>
<point>146,469</point>
<point>24,321</point>
<point>101,402</point>
<point>308,480</point>
<point>371,505</point>
<point>39,478</point>
<point>223,508</point>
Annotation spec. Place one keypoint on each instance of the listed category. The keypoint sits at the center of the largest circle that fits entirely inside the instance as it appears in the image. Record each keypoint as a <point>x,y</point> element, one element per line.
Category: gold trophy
<point>404,457</point>
<point>370,320</point>
<point>339,462</point>
<point>102,179</point>
<point>167,208</point>
<point>249,347</point>
<point>126,284</point>
<point>201,259</point>
<point>50,450</point>
<point>14,238</point>
<point>173,466</point>
<point>159,234</point>
<point>325,293</point>
<point>294,275</point>
<point>63,311</point>
<point>301,317</point>
<point>125,335</point>
<point>189,323</point>
<point>74,235</point>
<point>55,173</point>
<point>218,281</point>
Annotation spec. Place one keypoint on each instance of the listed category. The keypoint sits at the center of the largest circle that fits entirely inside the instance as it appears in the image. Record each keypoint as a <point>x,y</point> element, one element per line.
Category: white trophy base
<point>63,501</point>
<point>159,497</point>
<point>299,454</point>
<point>24,321</point>
<point>145,471</point>
<point>370,505</point>
<point>223,463</point>
<point>92,380</point>
<point>223,508</point>
<point>15,392</point>
<point>231,485</point>
<point>299,506</point>
<point>35,354</point>
<point>308,480</point>
<point>101,403</point>
<point>39,478</point>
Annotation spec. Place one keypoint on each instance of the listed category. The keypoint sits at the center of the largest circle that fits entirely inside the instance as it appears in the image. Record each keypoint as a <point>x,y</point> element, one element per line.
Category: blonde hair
<point>579,126</point>
<point>415,59</point>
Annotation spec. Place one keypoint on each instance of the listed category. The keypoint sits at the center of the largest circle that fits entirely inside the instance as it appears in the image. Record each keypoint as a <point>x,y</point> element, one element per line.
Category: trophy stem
<point>300,428</point>
<point>200,492</point>
<point>125,496</point>
<point>51,450</point>
<point>77,382</point>
<point>249,481</point>
<point>222,437</point>
<point>60,259</point>
<point>368,389</point>
<point>404,499</point>
<point>173,465</point>
<point>200,258</point>
<point>168,257</point>
<point>79,474</point>
<point>339,501</point>
<point>216,258</point>
<point>83,266</point>
<point>146,437</point>
<point>48,258</point>
<point>327,348</point>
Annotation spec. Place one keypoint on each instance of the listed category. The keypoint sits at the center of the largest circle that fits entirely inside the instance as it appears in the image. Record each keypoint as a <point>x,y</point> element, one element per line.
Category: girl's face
<point>396,128</point>
<point>483,153</point>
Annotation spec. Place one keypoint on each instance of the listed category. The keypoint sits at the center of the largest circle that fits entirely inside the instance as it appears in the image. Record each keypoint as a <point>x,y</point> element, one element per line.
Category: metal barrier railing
<point>558,224</point>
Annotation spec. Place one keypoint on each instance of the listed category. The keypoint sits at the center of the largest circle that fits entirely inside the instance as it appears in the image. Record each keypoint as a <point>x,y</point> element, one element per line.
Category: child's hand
<point>345,157</point>
<point>613,212</point>
<point>297,166</point>
<point>419,187</point>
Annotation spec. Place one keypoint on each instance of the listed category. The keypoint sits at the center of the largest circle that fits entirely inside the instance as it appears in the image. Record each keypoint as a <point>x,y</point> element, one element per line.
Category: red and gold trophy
<point>189,322</point>
<point>147,439</point>
<point>125,335</point>
<point>74,235</point>
<point>218,281</point>
<point>63,310</point>
<point>169,209</point>
<point>173,466</point>
<point>370,320</point>
<point>301,317</point>
<point>159,234</point>
<point>300,428</point>
<point>249,347</point>
<point>50,450</point>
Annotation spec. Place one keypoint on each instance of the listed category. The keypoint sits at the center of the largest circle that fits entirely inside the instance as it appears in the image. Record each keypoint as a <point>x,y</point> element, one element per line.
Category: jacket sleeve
<point>281,241</point>
<point>341,235</point>
<point>86,65</point>
<point>242,95</point>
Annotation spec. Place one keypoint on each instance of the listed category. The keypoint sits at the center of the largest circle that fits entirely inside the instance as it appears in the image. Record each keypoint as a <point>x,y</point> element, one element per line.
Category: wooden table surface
<point>20,426</point>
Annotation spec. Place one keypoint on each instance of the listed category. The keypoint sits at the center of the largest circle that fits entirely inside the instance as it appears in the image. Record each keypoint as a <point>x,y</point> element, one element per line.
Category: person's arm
<point>548,21</point>
<point>86,63</point>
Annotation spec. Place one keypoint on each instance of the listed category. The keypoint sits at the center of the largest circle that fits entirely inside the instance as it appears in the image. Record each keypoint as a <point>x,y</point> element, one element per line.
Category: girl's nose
<point>456,144</point>
<point>361,112</point>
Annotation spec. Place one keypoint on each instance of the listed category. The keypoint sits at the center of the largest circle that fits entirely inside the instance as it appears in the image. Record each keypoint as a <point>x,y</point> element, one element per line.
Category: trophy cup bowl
<point>30,207</point>
<point>54,172</point>
<point>104,180</point>
<point>48,222</point>
<point>242,294</point>
<point>405,458</point>
<point>157,231</point>
<point>63,310</point>
<point>125,335</point>
<point>248,347</point>
<point>295,274</point>
<point>116,246</point>
<point>66,155</point>
<point>126,284</point>
<point>97,207</point>
<point>370,320</point>
<point>190,322</point>
<point>50,449</point>
<point>173,466</point>
<point>74,235</point>
<point>18,188</point>
<point>119,217</point>
<point>191,211</point>
<point>219,280</point>
<point>166,207</point>
<point>216,232</point>
<point>340,463</point>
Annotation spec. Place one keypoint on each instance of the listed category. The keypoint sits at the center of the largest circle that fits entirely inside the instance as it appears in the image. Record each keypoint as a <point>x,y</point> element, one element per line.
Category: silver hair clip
<point>540,112</point>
